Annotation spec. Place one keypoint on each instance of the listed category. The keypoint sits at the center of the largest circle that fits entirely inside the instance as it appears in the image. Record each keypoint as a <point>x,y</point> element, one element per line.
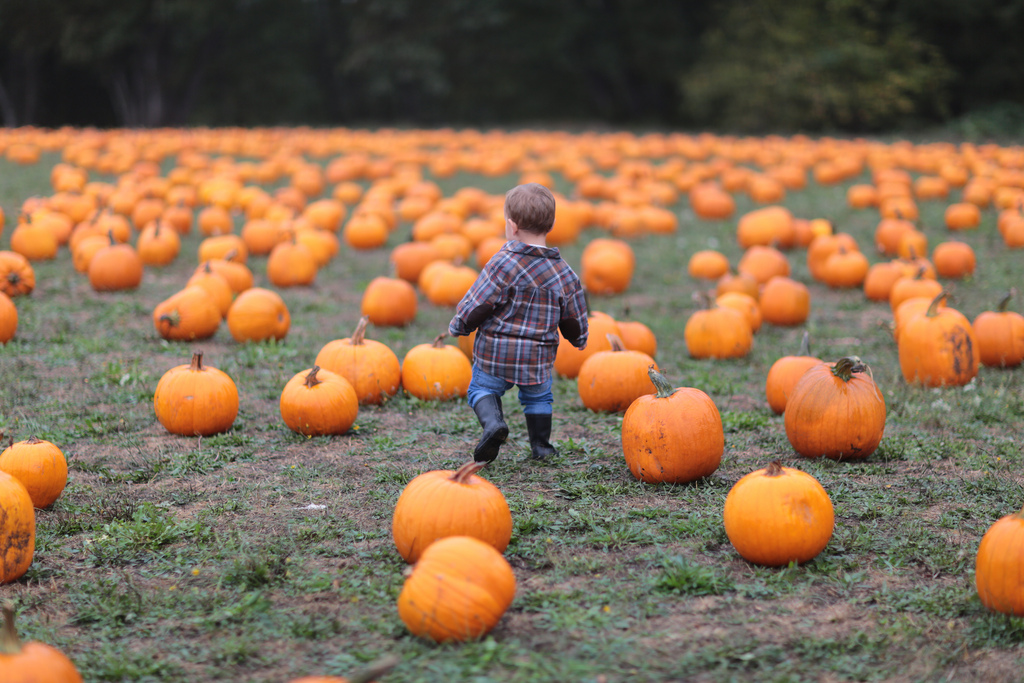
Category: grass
<point>186,559</point>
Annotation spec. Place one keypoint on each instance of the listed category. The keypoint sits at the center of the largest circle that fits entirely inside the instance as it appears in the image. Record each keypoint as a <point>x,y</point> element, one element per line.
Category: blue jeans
<point>536,398</point>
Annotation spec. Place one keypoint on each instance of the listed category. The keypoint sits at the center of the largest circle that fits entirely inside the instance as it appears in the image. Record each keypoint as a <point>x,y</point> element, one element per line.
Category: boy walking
<point>522,298</point>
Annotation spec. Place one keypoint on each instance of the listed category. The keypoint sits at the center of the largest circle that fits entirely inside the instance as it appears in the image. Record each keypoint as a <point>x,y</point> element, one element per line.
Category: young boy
<point>522,298</point>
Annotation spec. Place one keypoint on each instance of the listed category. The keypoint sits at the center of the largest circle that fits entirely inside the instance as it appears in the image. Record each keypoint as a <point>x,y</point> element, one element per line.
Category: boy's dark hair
<point>531,207</point>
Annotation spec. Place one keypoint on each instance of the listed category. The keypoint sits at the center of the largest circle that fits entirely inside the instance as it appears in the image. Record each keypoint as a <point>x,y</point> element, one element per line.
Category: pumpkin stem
<point>230,256</point>
<point>206,267</point>
<point>1005,301</point>
<point>439,340</point>
<point>774,469</point>
<point>375,670</point>
<point>10,644</point>
<point>197,362</point>
<point>805,344</point>
<point>173,318</point>
<point>845,367</point>
<point>660,382</point>
<point>357,337</point>
<point>615,341</point>
<point>311,379</point>
<point>32,441</point>
<point>462,475</point>
<point>933,307</point>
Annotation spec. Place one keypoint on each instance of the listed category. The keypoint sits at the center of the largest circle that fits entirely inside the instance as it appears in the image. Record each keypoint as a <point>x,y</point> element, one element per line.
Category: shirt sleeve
<point>573,324</point>
<point>478,303</point>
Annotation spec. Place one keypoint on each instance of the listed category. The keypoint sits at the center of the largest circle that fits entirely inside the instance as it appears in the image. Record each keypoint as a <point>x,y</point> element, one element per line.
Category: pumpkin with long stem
<point>370,366</point>
<point>31,662</point>
<point>837,411</point>
<point>938,347</point>
<point>317,402</point>
<point>672,436</point>
<point>443,503</point>
<point>777,515</point>
<point>457,591</point>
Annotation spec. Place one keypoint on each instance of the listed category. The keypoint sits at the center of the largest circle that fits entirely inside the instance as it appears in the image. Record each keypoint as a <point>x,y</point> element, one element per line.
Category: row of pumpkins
<point>481,609</point>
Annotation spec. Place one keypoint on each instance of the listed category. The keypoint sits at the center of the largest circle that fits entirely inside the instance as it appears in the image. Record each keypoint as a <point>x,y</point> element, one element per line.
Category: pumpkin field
<point>256,536</point>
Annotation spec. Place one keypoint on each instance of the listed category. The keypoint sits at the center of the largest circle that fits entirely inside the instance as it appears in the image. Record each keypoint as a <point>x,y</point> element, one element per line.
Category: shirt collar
<point>532,250</point>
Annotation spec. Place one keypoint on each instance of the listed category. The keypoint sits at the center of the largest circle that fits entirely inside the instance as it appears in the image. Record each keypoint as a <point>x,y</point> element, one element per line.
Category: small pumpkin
<point>836,410</point>
<point>606,266</point>
<point>18,532</point>
<point>609,381</point>
<point>707,264</point>
<point>370,366</point>
<point>785,302</point>
<point>436,371</point>
<point>17,276</point>
<point>158,244</point>
<point>569,359</point>
<point>718,332</point>
<point>196,399</point>
<point>635,336</point>
<point>389,302</point>
<point>672,436</point>
<point>443,503</point>
<point>40,466</point>
<point>954,259</point>
<point>318,402</point>
<point>1000,335</point>
<point>115,268</point>
<point>31,662</point>
<point>186,315</point>
<point>786,372</point>
<point>291,264</point>
<point>777,515</point>
<point>258,314</point>
<point>457,591</point>
<point>999,565</point>
<point>215,285</point>
<point>366,675</point>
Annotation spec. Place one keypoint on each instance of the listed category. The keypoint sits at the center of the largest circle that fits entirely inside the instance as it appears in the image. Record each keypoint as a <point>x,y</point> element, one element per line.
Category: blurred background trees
<point>739,65</point>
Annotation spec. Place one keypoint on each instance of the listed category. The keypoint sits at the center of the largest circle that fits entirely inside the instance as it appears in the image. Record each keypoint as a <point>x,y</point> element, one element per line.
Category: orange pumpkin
<point>673,435</point>
<point>938,347</point>
<point>186,315</point>
<point>436,371</point>
<point>32,662</point>
<point>8,318</point>
<point>370,366</point>
<point>777,515</point>
<point>258,314</point>
<point>611,380</point>
<point>317,402</point>
<point>785,302</point>
<point>999,565</point>
<point>718,332</point>
<point>835,410</point>
<point>457,591</point>
<point>785,373</point>
<point>389,302</point>
<point>18,532</point>
<point>196,399</point>
<point>443,503</point>
<point>569,359</point>
<point>1000,335</point>
<point>40,466</point>
<point>17,277</point>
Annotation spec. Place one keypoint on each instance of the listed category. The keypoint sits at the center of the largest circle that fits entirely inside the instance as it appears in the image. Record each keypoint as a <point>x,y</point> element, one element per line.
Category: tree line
<point>743,65</point>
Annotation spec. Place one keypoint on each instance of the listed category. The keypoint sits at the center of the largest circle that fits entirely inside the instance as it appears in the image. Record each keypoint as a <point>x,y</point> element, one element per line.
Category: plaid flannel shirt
<point>520,301</point>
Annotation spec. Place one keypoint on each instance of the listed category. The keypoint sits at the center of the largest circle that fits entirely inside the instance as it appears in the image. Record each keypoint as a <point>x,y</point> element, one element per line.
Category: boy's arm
<point>573,325</point>
<point>477,304</point>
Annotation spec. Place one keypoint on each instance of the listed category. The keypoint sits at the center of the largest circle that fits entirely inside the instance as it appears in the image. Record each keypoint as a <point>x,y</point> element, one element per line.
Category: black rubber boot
<point>539,428</point>
<point>488,411</point>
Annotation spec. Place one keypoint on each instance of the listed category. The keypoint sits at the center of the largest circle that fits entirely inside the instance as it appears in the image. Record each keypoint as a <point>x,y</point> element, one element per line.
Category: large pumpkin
<point>938,347</point>
<point>785,373</point>
<point>31,662</point>
<point>318,402</point>
<point>1000,564</point>
<point>457,591</point>
<point>672,436</point>
<point>18,531</point>
<point>778,515</point>
<point>370,366</point>
<point>836,410</point>
<point>196,400</point>
<point>40,466</point>
<point>444,503</point>
<point>436,371</point>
